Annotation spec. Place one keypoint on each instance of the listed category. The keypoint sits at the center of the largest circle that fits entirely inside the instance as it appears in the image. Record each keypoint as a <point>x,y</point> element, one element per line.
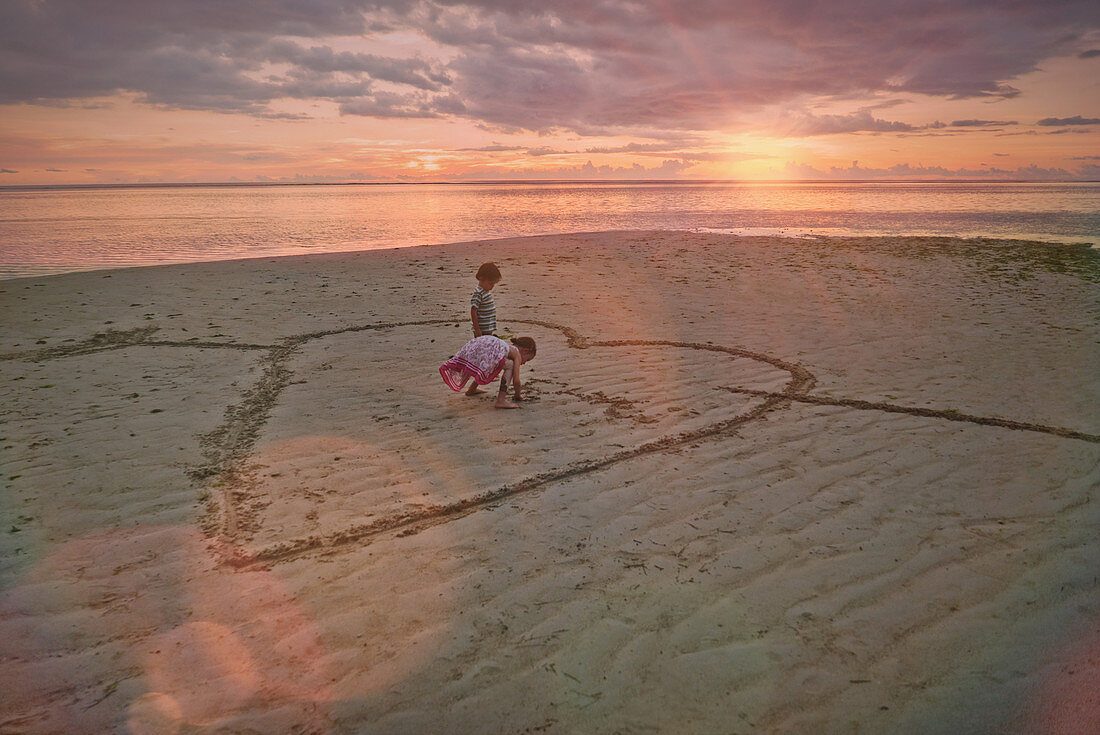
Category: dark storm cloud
<point>591,66</point>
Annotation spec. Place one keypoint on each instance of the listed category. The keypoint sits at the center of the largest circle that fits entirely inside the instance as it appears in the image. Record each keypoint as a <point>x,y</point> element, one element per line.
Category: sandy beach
<point>760,485</point>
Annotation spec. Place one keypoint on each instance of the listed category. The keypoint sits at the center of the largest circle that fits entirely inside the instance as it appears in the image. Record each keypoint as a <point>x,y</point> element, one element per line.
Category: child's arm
<point>476,321</point>
<point>513,355</point>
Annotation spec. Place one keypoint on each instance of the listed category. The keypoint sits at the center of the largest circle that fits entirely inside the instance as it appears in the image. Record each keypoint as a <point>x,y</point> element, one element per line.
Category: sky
<point>143,91</point>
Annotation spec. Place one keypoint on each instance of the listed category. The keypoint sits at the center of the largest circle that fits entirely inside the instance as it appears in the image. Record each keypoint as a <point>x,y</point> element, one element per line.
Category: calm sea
<point>62,230</point>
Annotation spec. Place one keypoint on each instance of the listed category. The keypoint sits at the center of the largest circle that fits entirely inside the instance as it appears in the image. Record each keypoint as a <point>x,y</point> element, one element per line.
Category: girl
<point>485,357</point>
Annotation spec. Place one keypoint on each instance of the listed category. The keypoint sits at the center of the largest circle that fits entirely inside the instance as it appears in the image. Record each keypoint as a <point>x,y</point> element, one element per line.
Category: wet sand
<point>760,485</point>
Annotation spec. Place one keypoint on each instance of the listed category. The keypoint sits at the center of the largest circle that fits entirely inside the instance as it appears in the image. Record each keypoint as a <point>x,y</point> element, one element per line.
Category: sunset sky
<point>112,91</point>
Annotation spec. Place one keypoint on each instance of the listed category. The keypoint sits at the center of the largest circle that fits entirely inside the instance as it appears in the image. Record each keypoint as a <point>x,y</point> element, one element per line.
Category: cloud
<point>321,60</point>
<point>1075,120</point>
<point>591,66</point>
<point>632,148</point>
<point>494,148</point>
<point>198,55</point>
<point>668,169</point>
<point>545,151</point>
<point>809,125</point>
<point>667,150</point>
<point>981,123</point>
<point>1092,53</point>
<point>7,171</point>
<point>391,105</point>
<point>690,66</point>
<point>905,171</point>
<point>723,156</point>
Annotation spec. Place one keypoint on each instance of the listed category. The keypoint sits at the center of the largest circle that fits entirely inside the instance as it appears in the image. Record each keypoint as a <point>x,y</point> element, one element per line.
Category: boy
<point>483,311</point>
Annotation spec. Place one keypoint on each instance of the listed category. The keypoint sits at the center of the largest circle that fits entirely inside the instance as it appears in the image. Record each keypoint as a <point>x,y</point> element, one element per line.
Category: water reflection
<point>53,231</point>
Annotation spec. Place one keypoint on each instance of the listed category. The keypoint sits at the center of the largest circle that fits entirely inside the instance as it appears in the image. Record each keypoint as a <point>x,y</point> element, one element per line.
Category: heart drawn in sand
<point>346,437</point>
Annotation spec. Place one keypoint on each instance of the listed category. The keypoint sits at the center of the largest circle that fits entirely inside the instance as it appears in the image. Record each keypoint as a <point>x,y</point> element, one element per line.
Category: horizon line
<point>480,182</point>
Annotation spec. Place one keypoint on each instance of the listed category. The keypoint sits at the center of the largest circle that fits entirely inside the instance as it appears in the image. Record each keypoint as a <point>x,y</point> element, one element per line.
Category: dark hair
<point>488,272</point>
<point>525,343</point>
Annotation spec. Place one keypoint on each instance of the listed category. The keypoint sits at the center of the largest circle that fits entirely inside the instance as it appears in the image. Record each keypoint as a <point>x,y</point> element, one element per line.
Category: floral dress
<point>482,358</point>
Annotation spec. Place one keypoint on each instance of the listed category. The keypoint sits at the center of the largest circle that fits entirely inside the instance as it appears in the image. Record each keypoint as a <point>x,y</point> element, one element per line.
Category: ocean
<point>48,231</point>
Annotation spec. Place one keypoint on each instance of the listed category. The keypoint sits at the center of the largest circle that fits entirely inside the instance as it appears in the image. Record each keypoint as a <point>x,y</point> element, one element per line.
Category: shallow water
<point>62,230</point>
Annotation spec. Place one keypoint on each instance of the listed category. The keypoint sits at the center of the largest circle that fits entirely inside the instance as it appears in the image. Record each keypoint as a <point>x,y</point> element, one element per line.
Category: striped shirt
<point>482,300</point>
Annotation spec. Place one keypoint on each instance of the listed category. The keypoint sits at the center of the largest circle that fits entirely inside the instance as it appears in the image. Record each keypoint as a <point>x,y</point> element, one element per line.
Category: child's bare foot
<point>503,402</point>
<point>473,390</point>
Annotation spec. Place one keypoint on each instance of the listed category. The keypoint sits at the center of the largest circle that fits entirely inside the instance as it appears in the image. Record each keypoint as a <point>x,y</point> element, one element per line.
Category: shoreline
<point>739,233</point>
<point>759,480</point>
